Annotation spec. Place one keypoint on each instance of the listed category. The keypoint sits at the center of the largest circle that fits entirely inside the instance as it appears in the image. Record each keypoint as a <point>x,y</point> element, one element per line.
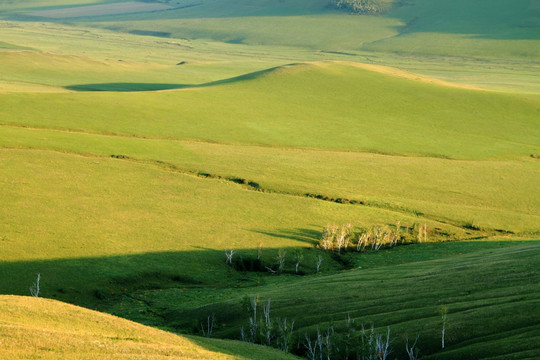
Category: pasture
<point>140,141</point>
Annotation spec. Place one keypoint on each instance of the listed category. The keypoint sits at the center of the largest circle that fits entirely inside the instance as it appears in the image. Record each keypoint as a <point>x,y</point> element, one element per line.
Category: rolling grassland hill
<point>137,148</point>
<point>48,329</point>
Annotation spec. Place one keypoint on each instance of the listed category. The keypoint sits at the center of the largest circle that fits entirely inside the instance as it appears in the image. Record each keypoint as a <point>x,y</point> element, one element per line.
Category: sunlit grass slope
<point>335,112</point>
<point>492,194</point>
<point>90,224</point>
<point>326,105</point>
<point>492,296</point>
<point>48,329</point>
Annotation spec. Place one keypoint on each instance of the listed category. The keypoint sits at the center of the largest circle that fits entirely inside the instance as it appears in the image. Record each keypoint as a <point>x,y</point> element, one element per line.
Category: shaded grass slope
<point>484,29</point>
<point>48,329</point>
<point>492,297</point>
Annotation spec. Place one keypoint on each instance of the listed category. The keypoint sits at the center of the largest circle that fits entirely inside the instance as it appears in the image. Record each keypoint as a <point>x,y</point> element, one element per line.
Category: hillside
<point>48,329</point>
<point>491,294</point>
<point>73,163</point>
<point>491,44</point>
<point>170,161</point>
<point>348,108</point>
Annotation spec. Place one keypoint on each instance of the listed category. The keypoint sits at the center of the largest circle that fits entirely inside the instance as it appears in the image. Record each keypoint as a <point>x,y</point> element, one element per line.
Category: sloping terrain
<point>48,329</point>
<point>295,112</point>
<point>492,297</point>
<point>136,149</point>
<point>347,108</point>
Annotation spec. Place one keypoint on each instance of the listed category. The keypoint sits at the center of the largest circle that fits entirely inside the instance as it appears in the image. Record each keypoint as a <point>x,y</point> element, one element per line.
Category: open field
<point>136,148</point>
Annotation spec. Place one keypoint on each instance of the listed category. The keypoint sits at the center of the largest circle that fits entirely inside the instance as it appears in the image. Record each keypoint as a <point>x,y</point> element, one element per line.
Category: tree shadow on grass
<point>94,281</point>
<point>308,236</point>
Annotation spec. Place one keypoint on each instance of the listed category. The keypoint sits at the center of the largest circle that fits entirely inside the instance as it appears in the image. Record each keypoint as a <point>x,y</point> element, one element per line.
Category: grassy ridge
<point>457,123</point>
<point>320,105</point>
<point>72,332</point>
<point>209,61</point>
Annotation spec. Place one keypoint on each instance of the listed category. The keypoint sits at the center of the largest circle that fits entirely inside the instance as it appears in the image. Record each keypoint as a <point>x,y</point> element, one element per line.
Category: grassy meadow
<point>137,147</point>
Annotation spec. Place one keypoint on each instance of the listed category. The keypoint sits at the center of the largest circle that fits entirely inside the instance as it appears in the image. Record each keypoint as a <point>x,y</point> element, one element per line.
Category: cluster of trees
<point>353,340</point>
<point>265,330</point>
<point>365,7</point>
<point>242,263</point>
<point>343,238</point>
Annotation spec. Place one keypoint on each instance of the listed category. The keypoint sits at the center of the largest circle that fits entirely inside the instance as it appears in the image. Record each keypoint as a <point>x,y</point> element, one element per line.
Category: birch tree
<point>34,289</point>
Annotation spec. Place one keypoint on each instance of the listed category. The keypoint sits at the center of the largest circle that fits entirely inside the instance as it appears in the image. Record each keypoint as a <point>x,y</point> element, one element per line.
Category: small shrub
<point>472,225</point>
<point>99,294</point>
<point>241,263</point>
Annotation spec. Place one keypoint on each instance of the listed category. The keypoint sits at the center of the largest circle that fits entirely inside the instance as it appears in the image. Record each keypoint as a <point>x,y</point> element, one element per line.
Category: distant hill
<point>482,28</point>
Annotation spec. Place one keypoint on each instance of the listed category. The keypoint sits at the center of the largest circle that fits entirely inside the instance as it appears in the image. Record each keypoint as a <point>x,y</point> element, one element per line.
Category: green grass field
<point>136,148</point>
<point>492,306</point>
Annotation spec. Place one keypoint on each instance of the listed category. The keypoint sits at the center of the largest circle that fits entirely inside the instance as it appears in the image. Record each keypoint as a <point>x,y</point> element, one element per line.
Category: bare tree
<point>280,259</point>
<point>229,254</point>
<point>329,234</point>
<point>422,233</point>
<point>444,315</point>
<point>259,251</point>
<point>298,257</point>
<point>363,241</point>
<point>242,334</point>
<point>266,313</point>
<point>319,262</point>
<point>285,334</point>
<point>377,239</point>
<point>342,237</point>
<point>411,351</point>
<point>34,289</point>
<point>253,326</point>
<point>314,347</point>
<point>266,327</point>
<point>209,327</point>
<point>382,346</point>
